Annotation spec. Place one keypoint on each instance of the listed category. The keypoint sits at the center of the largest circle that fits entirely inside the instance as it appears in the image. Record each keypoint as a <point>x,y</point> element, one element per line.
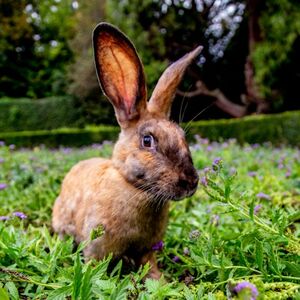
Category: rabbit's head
<point>151,153</point>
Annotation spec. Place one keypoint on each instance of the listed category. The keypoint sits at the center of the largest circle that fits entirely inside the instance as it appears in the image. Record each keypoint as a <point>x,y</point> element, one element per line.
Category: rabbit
<point>128,195</point>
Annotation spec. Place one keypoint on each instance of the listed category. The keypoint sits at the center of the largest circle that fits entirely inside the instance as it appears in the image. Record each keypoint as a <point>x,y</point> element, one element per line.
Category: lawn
<point>236,238</point>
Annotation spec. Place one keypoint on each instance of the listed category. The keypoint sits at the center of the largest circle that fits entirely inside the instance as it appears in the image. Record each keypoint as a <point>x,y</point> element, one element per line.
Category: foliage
<point>48,113</point>
<point>163,31</point>
<point>34,47</point>
<point>241,226</point>
<point>62,136</point>
<point>277,129</point>
<point>275,57</point>
<point>81,73</point>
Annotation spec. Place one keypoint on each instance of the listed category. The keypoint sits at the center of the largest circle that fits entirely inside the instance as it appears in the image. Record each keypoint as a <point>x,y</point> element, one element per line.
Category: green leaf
<point>99,271</point>
<point>77,278</point>
<point>259,254</point>
<point>61,293</point>
<point>86,285</point>
<point>120,291</point>
<point>3,294</point>
<point>188,294</point>
<point>152,285</point>
<point>106,286</point>
<point>117,269</point>
<point>13,291</point>
<point>293,268</point>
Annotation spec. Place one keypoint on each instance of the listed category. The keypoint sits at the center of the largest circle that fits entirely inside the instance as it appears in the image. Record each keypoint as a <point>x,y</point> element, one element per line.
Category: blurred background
<point>250,63</point>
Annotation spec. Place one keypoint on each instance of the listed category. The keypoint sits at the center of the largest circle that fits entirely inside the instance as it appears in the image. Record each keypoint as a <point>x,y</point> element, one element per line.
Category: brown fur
<point>128,194</point>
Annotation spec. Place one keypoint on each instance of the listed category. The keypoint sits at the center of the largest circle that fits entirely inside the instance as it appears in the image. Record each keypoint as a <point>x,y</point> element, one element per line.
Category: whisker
<point>187,127</point>
<point>181,116</point>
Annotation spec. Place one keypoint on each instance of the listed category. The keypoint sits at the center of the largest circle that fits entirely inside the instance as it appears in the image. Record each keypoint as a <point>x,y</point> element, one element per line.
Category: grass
<point>237,235</point>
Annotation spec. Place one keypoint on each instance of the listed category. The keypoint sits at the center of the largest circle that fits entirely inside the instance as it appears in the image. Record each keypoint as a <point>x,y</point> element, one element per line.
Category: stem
<point>53,286</point>
<point>266,227</point>
<point>255,219</point>
<point>285,277</point>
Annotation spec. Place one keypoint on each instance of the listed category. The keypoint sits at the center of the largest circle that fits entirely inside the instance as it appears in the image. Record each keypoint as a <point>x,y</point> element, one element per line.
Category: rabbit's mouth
<point>184,194</point>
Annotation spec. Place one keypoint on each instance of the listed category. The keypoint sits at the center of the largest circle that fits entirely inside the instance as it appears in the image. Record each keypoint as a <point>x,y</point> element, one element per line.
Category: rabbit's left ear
<point>120,73</point>
<point>162,97</point>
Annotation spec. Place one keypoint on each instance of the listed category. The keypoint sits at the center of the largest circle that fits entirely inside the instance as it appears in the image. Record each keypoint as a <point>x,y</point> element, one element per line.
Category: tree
<point>34,48</point>
<point>171,28</point>
<point>244,55</point>
<point>276,57</point>
<point>16,48</point>
<point>81,73</point>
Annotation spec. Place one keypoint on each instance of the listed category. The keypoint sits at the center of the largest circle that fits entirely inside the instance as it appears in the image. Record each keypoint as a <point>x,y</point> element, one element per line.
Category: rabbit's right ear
<point>120,73</point>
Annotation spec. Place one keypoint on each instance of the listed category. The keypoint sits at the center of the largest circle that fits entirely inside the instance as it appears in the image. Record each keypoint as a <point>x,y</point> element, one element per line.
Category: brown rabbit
<point>151,163</point>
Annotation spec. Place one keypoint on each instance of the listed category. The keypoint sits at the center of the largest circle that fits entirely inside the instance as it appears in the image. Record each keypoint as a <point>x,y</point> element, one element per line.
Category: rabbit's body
<point>151,164</point>
<point>131,224</point>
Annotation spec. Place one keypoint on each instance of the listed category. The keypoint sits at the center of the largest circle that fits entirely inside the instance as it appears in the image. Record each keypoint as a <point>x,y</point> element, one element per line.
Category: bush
<point>277,129</point>
<point>48,113</point>
<point>64,136</point>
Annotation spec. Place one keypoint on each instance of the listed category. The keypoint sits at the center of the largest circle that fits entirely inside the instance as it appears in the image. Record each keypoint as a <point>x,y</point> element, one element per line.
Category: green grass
<point>241,225</point>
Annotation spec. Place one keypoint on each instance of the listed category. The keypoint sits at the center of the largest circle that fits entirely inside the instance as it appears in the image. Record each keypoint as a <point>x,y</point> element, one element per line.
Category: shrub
<point>49,113</point>
<point>277,129</point>
<point>63,136</point>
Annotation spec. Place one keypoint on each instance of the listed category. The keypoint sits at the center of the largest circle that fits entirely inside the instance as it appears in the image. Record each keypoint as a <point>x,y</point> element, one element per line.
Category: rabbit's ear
<point>164,92</point>
<point>120,73</point>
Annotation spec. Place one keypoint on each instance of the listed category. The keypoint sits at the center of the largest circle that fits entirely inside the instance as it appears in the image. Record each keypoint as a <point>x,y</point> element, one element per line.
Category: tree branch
<point>221,101</point>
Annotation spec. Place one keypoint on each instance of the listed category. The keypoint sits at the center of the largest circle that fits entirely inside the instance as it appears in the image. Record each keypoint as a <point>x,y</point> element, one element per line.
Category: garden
<point>235,92</point>
<point>236,238</point>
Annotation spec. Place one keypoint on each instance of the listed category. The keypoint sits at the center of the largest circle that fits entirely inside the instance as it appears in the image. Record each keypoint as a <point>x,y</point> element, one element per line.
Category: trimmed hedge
<point>64,136</point>
<point>278,129</point>
<point>48,113</point>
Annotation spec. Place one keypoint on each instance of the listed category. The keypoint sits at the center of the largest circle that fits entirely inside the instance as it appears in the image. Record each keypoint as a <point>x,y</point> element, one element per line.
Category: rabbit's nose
<point>194,181</point>
<point>188,183</point>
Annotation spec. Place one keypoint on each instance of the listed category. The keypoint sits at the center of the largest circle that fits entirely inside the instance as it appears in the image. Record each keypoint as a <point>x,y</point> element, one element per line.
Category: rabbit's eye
<point>148,141</point>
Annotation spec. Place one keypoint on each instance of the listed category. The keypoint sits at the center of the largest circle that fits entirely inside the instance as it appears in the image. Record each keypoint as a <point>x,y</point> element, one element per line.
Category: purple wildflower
<point>257,208</point>
<point>176,259</point>
<point>263,196</point>
<point>216,163</point>
<point>194,234</point>
<point>215,220</point>
<point>232,171</point>
<point>2,143</point>
<point>288,173</point>
<point>19,215</point>
<point>12,147</point>
<point>189,279</point>
<point>158,246</point>
<point>252,174</point>
<point>3,186</point>
<point>209,148</point>
<point>186,251</point>
<point>207,170</point>
<point>204,181</point>
<point>4,218</point>
<point>225,144</point>
<point>1,160</point>
<point>217,160</point>
<point>248,290</point>
<point>66,150</point>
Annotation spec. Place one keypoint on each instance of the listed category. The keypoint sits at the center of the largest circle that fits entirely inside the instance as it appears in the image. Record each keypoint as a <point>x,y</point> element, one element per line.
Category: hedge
<point>278,129</point>
<point>48,113</point>
<point>65,136</point>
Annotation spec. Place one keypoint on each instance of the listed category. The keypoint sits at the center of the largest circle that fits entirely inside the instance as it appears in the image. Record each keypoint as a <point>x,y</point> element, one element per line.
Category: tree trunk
<point>253,95</point>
